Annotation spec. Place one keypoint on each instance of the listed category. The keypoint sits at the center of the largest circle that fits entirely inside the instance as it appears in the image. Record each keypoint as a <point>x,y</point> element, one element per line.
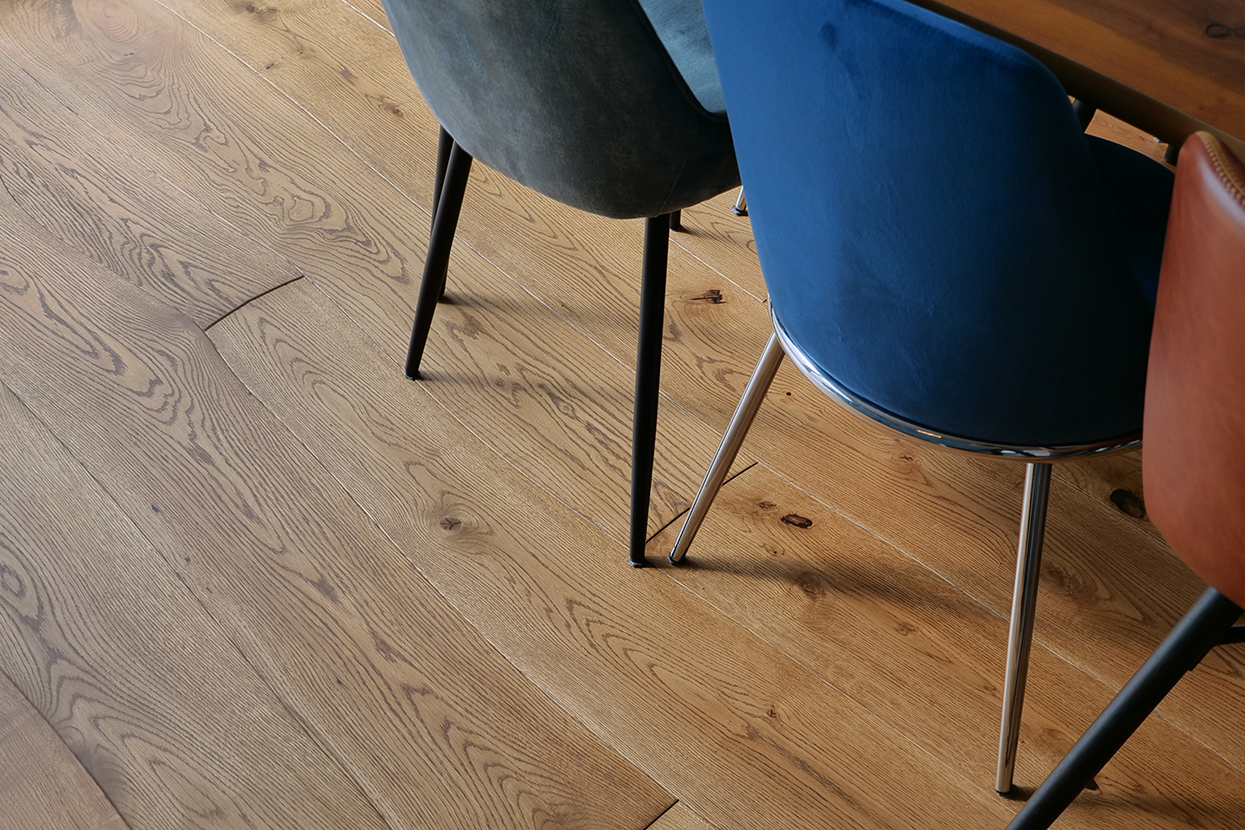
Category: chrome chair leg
<point>1024,603</point>
<point>740,207</point>
<point>745,412</point>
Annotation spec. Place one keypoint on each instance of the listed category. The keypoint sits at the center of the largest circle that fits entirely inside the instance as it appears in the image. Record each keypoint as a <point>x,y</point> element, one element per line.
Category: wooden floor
<point>252,577</point>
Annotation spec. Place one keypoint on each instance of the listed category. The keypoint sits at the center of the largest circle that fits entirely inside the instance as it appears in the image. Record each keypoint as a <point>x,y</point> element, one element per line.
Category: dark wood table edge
<point>1168,124</point>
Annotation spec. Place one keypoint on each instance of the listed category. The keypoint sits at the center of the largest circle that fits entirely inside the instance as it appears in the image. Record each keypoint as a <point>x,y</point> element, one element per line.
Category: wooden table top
<point>1170,67</point>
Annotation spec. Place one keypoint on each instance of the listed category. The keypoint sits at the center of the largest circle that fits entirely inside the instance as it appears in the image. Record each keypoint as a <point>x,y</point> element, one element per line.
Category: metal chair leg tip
<point>637,563</point>
<point>739,211</point>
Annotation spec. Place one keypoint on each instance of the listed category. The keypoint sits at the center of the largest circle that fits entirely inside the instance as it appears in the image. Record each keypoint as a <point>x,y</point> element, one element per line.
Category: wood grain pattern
<point>164,161</point>
<point>379,297</point>
<point>136,678</point>
<point>679,817</point>
<point>1153,63</point>
<point>433,725</point>
<point>56,171</point>
<point>900,641</point>
<point>633,653</point>
<point>962,514</point>
<point>373,10</point>
<point>185,109</point>
<point>43,786</point>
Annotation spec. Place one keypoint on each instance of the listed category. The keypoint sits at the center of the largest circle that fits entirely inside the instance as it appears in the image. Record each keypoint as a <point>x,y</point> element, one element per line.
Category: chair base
<point>1033,522</point>
<point>449,188</point>
<point>1201,629</point>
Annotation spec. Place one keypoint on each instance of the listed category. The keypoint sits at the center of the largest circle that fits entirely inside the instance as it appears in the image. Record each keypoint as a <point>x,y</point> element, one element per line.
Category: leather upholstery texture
<point>577,99</point>
<point>1194,461</point>
<point>935,230</point>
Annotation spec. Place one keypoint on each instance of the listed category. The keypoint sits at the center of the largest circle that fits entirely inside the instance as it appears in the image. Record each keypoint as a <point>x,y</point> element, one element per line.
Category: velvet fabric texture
<point>935,230</point>
<point>577,99</point>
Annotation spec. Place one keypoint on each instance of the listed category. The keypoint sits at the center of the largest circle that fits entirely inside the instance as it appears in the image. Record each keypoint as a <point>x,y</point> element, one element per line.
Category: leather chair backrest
<point>577,99</point>
<point>1194,453</point>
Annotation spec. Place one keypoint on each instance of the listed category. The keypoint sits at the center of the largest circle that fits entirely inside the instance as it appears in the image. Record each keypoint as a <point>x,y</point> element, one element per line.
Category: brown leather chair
<point>1194,465</point>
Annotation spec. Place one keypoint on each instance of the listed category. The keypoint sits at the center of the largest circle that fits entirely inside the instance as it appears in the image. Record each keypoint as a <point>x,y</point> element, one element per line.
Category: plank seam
<point>728,480</point>
<point>660,816</point>
<point>107,797</point>
<point>260,295</point>
<point>115,810</point>
<point>264,682</point>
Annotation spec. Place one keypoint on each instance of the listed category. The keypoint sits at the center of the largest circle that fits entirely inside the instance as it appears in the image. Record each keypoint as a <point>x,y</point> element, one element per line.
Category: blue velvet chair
<point>610,106</point>
<point>995,300</point>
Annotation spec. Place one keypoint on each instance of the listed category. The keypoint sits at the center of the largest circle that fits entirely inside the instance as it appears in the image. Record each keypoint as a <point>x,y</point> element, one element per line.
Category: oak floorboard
<point>429,721</point>
<point>123,662</point>
<point>43,786</point>
<point>741,734</point>
<point>960,515</point>
<point>56,170</point>
<point>351,76</point>
<point>174,60</point>
<point>544,245</point>
<point>904,643</point>
<point>679,817</point>
<point>184,108</point>
<point>373,10</point>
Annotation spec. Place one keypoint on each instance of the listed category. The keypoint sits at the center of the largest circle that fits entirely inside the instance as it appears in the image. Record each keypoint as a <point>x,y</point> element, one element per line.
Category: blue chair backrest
<point>930,220</point>
<point>577,99</point>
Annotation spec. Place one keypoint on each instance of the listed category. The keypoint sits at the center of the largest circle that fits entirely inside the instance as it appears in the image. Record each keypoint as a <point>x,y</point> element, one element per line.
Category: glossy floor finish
<point>252,577</point>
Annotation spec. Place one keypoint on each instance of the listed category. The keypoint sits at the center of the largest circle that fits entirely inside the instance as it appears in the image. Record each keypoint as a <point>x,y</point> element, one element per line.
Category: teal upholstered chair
<point>611,106</point>
<point>993,300</point>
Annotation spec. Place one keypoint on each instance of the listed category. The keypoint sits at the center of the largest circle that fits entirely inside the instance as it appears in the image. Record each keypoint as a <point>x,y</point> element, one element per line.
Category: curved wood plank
<point>121,659</point>
<point>660,675</point>
<point>427,719</point>
<point>55,170</point>
<point>42,785</point>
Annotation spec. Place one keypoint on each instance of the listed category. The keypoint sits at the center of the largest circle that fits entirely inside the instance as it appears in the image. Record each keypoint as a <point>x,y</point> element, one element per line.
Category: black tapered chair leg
<point>647,378</point>
<point>1197,632</point>
<point>444,223</point>
<point>445,144</point>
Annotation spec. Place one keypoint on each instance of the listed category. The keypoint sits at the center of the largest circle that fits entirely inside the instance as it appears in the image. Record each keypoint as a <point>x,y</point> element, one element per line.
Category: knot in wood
<point>1129,502</point>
